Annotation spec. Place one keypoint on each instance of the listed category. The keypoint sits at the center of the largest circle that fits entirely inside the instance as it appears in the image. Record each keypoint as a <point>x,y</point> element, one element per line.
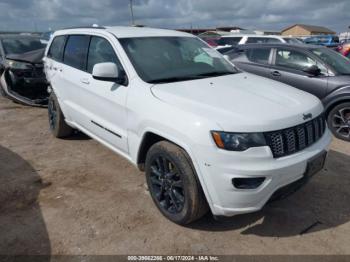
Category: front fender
<point>181,140</point>
<point>337,96</point>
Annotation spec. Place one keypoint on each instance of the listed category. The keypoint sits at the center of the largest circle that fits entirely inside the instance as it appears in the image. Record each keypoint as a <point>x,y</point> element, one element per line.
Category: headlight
<point>18,65</point>
<point>238,141</point>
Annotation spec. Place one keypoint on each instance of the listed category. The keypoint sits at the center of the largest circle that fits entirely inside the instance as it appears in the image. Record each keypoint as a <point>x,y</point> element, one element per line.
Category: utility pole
<point>132,13</point>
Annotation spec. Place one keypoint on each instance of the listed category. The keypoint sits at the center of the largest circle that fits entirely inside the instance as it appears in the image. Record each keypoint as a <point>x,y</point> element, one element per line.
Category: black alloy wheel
<point>339,121</point>
<point>167,184</point>
<point>173,183</point>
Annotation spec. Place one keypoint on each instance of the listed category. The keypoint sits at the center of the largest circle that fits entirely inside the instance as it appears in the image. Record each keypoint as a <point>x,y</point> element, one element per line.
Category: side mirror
<point>107,72</point>
<point>312,70</point>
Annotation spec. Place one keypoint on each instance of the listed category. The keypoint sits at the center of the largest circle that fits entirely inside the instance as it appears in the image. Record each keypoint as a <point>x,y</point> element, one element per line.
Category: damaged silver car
<point>22,77</point>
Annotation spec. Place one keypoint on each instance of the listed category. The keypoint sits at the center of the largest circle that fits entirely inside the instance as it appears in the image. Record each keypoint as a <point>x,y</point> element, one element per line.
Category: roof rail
<point>87,27</point>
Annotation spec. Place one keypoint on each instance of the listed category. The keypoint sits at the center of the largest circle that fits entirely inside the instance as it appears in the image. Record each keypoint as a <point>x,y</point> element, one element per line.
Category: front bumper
<point>219,167</point>
<point>26,90</point>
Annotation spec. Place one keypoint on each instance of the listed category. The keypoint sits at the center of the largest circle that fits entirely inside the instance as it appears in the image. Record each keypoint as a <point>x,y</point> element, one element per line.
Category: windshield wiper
<point>172,79</point>
<point>190,77</point>
<point>216,74</point>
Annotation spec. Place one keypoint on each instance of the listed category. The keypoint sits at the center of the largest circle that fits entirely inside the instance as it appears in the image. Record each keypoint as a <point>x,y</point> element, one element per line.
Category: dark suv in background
<point>314,69</point>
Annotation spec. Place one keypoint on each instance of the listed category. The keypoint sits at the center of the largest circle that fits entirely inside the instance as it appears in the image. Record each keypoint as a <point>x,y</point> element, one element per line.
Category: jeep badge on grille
<point>307,116</point>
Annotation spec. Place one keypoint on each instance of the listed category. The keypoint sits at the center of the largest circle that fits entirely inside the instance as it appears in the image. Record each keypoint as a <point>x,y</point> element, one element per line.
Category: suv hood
<point>241,102</point>
<point>33,57</point>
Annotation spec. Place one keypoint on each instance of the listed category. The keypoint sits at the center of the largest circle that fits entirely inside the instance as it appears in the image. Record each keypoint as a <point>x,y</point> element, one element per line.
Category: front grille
<point>39,70</point>
<point>291,140</point>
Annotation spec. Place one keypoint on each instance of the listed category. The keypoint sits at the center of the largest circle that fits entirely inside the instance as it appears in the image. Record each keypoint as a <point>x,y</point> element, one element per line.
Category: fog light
<point>247,183</point>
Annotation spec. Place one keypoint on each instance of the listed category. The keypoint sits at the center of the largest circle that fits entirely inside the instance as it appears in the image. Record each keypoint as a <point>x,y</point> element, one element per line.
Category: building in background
<point>306,30</point>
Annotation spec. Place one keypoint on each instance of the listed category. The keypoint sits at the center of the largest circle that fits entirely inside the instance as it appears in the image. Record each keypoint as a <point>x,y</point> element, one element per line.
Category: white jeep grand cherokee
<point>206,134</point>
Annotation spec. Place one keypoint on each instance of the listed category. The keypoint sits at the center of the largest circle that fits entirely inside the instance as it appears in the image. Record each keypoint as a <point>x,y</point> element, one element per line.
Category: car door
<point>96,106</point>
<point>105,101</point>
<point>288,65</point>
<point>254,60</point>
<point>53,61</point>
<point>66,76</point>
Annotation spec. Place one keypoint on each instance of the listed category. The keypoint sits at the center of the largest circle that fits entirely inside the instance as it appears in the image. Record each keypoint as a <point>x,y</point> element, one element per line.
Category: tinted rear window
<point>258,55</point>
<point>76,50</point>
<point>229,40</point>
<point>56,48</point>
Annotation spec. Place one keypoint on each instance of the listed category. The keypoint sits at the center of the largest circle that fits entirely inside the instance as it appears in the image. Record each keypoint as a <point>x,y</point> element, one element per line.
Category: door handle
<point>276,73</point>
<point>85,81</point>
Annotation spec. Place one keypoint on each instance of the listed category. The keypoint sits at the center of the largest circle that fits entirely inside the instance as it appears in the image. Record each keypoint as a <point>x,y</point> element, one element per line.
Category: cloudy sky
<point>250,14</point>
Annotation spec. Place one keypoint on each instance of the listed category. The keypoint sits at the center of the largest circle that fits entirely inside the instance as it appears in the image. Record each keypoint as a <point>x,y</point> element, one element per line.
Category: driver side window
<point>101,51</point>
<point>296,60</point>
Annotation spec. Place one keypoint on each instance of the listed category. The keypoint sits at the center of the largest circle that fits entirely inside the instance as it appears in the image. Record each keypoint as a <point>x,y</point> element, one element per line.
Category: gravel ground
<point>76,197</point>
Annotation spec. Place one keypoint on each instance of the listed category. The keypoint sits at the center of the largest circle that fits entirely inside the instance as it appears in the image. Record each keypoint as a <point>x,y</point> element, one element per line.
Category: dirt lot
<point>77,197</point>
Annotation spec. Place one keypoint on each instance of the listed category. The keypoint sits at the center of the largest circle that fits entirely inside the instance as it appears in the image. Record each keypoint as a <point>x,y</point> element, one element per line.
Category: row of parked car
<point>315,69</point>
<point>207,134</point>
<point>226,41</point>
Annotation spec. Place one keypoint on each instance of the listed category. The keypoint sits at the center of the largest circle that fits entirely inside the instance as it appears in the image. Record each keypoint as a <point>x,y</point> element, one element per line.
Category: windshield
<point>46,36</point>
<point>339,63</point>
<point>21,45</point>
<point>171,59</point>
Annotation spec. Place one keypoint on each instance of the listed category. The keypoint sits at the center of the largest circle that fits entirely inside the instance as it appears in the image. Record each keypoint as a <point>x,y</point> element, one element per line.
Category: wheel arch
<point>148,140</point>
<point>336,102</point>
<point>152,137</point>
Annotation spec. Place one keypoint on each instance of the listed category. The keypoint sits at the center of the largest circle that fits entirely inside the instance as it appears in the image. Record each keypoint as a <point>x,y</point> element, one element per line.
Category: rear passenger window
<point>229,41</point>
<point>101,51</point>
<point>57,47</point>
<point>76,51</point>
<point>259,55</point>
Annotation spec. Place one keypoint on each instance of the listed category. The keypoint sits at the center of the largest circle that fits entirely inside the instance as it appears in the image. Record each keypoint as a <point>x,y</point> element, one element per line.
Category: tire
<point>338,121</point>
<point>57,123</point>
<point>173,184</point>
